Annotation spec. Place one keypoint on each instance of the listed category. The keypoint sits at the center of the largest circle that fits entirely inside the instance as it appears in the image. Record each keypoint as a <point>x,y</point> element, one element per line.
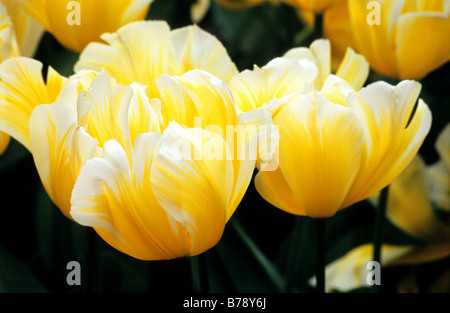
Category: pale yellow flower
<point>339,144</point>
<point>404,39</point>
<point>299,71</point>
<point>142,51</point>
<point>132,167</point>
<point>76,23</point>
<point>19,35</point>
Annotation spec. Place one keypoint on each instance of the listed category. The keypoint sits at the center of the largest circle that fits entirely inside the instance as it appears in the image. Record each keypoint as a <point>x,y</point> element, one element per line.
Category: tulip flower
<point>149,49</point>
<point>19,35</point>
<point>76,23</point>
<point>27,30</point>
<point>299,71</point>
<point>414,197</point>
<point>403,39</point>
<point>150,185</point>
<point>332,155</point>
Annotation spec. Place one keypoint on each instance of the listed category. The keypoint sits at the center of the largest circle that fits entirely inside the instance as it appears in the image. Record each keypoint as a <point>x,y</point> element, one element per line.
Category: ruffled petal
<point>192,178</point>
<point>392,136</point>
<point>22,88</point>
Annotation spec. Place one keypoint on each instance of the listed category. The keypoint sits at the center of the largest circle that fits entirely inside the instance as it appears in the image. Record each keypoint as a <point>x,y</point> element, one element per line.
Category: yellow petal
<point>193,48</point>
<point>197,99</point>
<point>114,195</point>
<point>351,271</point>
<point>416,58</point>
<point>392,137</point>
<point>319,53</point>
<point>278,78</point>
<point>199,10</point>
<point>138,47</point>
<point>149,49</point>
<point>144,114</point>
<point>74,26</point>
<point>438,174</point>
<point>320,145</point>
<point>60,148</point>
<point>27,30</point>
<point>107,111</point>
<point>8,40</point>
<point>192,184</point>
<point>409,208</point>
<point>354,69</point>
<point>337,28</point>
<point>22,88</point>
<point>375,42</point>
<point>4,142</point>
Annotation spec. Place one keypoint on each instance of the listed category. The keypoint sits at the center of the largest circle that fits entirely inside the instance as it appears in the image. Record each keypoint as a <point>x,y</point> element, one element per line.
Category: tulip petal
<point>197,99</point>
<point>351,270</point>
<point>409,191</point>
<point>192,178</point>
<point>320,145</point>
<point>431,53</point>
<point>392,136</point>
<point>22,88</point>
<point>319,53</point>
<point>87,26</point>
<point>193,48</point>
<point>278,78</point>
<point>128,49</point>
<point>107,111</point>
<point>116,198</point>
<point>372,40</point>
<point>60,149</point>
<point>354,69</point>
<point>4,142</point>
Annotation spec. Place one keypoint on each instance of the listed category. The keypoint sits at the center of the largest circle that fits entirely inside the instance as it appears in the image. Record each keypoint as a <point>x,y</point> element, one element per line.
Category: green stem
<point>320,261</point>
<point>199,267</point>
<point>92,259</point>
<point>378,227</point>
<point>293,258</point>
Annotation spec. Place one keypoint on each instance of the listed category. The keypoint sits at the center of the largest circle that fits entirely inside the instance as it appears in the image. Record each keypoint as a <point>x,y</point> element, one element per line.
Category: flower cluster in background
<point>203,145</point>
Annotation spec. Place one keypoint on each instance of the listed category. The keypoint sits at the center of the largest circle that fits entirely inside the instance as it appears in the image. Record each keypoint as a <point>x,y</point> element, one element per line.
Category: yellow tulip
<point>299,71</point>
<point>149,49</point>
<point>76,23</point>
<point>199,10</point>
<point>403,39</point>
<point>413,197</point>
<point>332,155</point>
<point>332,132</point>
<point>19,35</point>
<point>132,168</point>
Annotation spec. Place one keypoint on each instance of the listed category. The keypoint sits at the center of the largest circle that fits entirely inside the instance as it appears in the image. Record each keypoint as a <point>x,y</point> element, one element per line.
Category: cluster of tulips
<point>156,136</point>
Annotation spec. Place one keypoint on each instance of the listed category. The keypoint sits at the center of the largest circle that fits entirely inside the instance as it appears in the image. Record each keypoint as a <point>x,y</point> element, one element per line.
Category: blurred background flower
<point>407,43</point>
<point>76,23</point>
<point>418,205</point>
<point>19,35</point>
